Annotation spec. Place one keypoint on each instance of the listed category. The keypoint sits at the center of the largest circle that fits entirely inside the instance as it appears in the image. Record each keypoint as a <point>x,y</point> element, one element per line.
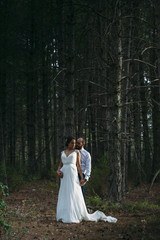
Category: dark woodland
<point>83,68</point>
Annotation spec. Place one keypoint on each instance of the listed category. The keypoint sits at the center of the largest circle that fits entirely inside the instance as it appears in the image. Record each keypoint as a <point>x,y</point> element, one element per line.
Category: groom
<point>85,162</point>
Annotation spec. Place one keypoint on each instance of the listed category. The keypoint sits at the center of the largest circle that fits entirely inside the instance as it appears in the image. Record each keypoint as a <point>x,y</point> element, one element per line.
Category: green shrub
<point>15,177</point>
<point>97,183</point>
<point>5,225</point>
<point>97,202</point>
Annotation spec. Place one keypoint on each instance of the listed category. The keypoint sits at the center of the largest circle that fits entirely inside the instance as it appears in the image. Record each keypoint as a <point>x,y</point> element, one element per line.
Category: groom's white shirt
<point>85,163</point>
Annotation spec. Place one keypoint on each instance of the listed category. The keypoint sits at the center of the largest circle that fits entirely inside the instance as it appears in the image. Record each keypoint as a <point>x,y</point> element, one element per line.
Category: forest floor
<point>33,207</point>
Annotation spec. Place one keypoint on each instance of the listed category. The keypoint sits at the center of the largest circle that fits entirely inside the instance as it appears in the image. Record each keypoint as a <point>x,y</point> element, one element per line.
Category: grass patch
<point>153,220</point>
<point>102,204</point>
<point>97,202</point>
<point>134,207</point>
<point>52,184</point>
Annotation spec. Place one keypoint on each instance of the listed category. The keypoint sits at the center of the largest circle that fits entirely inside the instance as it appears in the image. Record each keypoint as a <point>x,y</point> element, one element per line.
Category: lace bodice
<point>70,159</point>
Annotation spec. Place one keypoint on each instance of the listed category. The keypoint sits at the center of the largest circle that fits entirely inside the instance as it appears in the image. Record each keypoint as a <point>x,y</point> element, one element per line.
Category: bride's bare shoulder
<point>77,151</point>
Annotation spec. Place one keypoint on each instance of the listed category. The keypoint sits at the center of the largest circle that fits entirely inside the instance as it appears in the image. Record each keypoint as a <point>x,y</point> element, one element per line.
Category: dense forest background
<point>82,68</point>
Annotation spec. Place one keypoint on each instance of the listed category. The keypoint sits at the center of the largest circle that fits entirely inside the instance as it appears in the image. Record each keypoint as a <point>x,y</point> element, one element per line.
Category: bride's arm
<point>59,167</point>
<point>79,165</point>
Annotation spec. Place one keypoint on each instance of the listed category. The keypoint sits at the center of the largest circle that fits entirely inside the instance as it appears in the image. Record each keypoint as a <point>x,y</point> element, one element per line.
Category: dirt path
<point>35,208</point>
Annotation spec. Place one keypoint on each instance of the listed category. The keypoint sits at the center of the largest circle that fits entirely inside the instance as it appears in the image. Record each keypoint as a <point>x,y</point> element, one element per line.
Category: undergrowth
<point>99,177</point>
<point>102,204</point>
<point>5,225</point>
<point>7,230</point>
<point>134,207</point>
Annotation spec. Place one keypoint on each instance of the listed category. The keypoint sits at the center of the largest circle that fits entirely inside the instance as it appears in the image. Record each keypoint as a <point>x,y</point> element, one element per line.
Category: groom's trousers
<point>83,187</point>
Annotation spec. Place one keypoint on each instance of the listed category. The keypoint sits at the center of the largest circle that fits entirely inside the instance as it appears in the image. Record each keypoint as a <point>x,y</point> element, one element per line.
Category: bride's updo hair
<point>69,139</point>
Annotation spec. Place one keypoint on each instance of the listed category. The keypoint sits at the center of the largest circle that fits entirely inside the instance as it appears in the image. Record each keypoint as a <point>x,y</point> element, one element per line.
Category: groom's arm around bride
<point>85,162</point>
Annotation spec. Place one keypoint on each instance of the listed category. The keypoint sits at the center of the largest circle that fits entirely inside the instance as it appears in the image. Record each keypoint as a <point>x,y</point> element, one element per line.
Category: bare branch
<point>151,47</point>
<point>138,60</point>
<point>156,174</point>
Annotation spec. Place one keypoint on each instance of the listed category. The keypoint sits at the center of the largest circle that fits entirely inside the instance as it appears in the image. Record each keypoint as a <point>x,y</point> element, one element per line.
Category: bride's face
<point>72,144</point>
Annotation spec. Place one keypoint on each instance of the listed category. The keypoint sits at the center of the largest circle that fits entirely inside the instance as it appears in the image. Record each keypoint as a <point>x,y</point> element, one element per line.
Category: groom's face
<point>79,144</point>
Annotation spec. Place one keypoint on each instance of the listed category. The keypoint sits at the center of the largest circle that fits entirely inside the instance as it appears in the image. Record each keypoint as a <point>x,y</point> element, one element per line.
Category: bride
<point>71,207</point>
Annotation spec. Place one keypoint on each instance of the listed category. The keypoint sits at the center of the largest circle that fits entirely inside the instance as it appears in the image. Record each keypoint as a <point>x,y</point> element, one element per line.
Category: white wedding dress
<point>71,206</point>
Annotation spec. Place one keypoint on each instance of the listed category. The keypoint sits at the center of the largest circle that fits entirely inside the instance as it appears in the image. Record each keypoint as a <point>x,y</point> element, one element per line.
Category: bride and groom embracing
<point>74,171</point>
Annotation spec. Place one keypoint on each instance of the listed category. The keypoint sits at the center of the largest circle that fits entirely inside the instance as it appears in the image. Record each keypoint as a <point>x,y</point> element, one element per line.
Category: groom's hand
<point>83,182</point>
<point>60,174</point>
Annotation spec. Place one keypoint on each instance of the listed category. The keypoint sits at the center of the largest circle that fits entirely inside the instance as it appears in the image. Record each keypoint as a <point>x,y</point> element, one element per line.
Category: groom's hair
<point>69,139</point>
<point>83,141</point>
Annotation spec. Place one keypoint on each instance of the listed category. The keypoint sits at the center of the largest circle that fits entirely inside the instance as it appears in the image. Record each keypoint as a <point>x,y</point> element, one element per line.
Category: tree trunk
<point>137,131</point>
<point>3,90</point>
<point>156,95</point>
<point>119,114</point>
<point>115,178</point>
<point>69,74</point>
<point>61,79</point>
<point>23,145</point>
<point>125,115</point>
<point>31,94</point>
<point>12,122</point>
<point>146,137</point>
<point>45,86</point>
<point>3,175</point>
<point>40,157</point>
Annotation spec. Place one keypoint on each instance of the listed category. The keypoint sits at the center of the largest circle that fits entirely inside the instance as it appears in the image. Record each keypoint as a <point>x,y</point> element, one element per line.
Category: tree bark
<point>69,74</point>
<point>30,86</point>
<point>45,86</point>
<point>115,178</point>
<point>146,137</point>
<point>125,114</point>
<point>61,79</point>
<point>156,94</point>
